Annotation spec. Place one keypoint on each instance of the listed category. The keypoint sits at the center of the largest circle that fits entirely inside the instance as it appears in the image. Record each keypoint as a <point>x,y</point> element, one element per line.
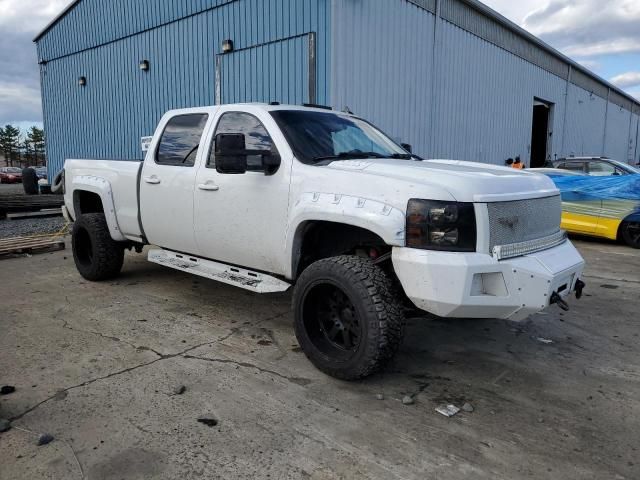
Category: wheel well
<point>316,240</point>
<point>86,202</point>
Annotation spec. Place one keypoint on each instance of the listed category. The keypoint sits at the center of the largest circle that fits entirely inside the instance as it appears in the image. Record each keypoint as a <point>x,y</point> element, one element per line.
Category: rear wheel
<point>96,254</point>
<point>348,321</point>
<point>631,233</point>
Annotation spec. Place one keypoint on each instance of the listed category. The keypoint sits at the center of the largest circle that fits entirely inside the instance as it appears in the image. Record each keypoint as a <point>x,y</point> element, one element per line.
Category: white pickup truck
<point>266,196</point>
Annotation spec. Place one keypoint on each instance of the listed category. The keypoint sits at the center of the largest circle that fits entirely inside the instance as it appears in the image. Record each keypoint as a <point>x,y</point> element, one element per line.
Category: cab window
<point>256,138</point>
<point>180,140</point>
<point>601,169</point>
<point>573,166</point>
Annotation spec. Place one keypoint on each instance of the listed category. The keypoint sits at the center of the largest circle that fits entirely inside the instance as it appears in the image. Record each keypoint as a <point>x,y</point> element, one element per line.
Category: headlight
<point>438,225</point>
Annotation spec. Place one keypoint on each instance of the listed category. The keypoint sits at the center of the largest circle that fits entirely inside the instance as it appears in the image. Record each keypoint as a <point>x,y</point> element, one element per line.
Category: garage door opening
<point>540,133</point>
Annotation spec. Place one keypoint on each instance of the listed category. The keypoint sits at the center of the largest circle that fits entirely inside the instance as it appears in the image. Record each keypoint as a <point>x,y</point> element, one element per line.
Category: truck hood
<point>465,181</point>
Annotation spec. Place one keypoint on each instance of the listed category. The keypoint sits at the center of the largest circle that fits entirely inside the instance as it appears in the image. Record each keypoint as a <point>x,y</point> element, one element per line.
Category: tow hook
<point>556,298</point>
<point>579,287</point>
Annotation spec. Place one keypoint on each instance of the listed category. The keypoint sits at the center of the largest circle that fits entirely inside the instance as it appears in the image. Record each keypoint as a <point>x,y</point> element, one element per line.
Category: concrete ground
<point>97,365</point>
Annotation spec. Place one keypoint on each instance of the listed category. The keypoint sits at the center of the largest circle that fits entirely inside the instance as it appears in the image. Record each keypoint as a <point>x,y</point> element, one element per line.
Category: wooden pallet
<point>49,212</point>
<point>28,203</point>
<point>16,245</point>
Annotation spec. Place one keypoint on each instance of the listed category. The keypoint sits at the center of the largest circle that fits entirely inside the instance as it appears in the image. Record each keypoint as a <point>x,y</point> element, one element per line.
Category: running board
<point>247,279</point>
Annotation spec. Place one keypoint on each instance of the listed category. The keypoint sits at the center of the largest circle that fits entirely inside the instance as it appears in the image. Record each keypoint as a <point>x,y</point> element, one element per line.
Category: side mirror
<point>230,152</point>
<point>407,147</point>
<point>271,162</point>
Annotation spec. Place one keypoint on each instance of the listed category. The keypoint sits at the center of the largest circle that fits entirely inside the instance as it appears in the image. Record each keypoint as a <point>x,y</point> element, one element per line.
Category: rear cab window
<point>181,139</point>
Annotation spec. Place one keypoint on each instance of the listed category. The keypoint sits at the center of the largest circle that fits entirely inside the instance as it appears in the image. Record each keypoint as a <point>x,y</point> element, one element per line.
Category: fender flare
<point>382,219</point>
<point>102,188</point>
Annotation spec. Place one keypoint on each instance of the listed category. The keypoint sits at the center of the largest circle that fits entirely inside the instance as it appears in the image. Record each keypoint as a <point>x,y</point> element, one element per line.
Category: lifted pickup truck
<point>266,196</point>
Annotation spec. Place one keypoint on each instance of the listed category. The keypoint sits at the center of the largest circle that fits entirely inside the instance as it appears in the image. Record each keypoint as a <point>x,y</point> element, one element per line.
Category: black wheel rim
<point>331,321</point>
<point>633,233</point>
<point>83,247</point>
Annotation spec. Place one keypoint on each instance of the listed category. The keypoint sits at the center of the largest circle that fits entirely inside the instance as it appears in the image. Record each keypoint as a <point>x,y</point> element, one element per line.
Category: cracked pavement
<point>97,365</point>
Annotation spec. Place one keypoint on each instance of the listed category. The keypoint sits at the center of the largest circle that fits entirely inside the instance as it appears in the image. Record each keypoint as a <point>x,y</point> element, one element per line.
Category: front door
<point>242,218</point>
<point>167,183</point>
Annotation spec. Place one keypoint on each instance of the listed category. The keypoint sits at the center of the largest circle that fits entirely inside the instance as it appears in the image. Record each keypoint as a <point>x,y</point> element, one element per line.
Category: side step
<point>239,277</point>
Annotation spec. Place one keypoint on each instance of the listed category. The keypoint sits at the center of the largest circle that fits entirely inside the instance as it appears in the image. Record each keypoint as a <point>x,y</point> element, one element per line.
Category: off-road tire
<point>96,254</point>
<point>629,232</point>
<point>378,309</point>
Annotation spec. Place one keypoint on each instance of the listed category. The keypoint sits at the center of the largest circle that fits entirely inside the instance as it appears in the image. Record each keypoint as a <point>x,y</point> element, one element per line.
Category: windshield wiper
<point>353,154</point>
<point>405,156</point>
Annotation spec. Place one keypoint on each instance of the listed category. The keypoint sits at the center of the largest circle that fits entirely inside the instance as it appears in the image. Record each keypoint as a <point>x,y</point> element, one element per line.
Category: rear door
<point>167,183</point>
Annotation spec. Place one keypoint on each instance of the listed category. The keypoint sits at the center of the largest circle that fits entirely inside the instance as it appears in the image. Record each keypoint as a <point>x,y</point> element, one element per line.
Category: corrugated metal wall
<point>586,114</point>
<point>382,65</point>
<point>463,86</point>
<point>438,74</point>
<point>121,103</point>
<point>485,100</point>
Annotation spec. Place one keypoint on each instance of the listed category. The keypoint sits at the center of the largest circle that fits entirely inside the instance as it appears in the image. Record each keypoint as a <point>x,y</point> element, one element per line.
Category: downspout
<point>566,107</point>
<point>434,70</point>
<point>606,123</point>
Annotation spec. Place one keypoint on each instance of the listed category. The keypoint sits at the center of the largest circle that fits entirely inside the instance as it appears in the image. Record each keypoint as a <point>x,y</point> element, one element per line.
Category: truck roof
<point>269,107</point>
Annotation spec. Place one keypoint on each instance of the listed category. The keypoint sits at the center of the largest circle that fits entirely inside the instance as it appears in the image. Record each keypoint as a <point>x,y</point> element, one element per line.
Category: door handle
<point>152,180</point>
<point>209,187</point>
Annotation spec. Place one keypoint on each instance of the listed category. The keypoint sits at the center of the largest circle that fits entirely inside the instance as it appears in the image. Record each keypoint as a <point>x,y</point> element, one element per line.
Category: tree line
<point>21,149</point>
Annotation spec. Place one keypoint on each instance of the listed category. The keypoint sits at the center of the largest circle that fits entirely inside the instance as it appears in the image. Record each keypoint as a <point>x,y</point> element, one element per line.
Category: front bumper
<point>477,285</point>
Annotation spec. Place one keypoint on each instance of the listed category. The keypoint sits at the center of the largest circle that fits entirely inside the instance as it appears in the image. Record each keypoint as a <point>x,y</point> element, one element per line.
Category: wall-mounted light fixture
<point>82,81</point>
<point>227,46</point>
<point>144,65</point>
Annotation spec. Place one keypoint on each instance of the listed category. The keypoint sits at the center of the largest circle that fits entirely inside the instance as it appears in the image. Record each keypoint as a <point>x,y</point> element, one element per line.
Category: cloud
<point>588,28</point>
<point>28,15</point>
<point>20,20</point>
<point>629,79</point>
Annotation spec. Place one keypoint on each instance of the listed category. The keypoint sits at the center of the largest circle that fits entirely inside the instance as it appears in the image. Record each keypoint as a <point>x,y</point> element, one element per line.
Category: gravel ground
<point>30,226</point>
<point>11,189</point>
<point>27,226</point>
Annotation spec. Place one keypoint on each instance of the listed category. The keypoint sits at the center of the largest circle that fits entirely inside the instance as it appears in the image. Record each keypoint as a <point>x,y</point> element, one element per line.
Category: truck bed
<point>123,179</point>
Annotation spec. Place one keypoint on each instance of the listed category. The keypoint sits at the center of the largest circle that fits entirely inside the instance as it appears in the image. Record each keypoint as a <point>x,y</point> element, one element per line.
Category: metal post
<point>312,68</point>
<point>635,155</point>
<point>434,70</point>
<point>606,121</point>
<point>218,79</point>
<point>566,107</point>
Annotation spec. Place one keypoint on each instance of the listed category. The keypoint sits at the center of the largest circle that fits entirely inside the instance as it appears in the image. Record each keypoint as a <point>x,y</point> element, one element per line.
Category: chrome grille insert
<point>524,222</point>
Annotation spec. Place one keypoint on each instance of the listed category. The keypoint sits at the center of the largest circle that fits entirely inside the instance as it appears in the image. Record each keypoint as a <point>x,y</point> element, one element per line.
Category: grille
<point>523,220</point>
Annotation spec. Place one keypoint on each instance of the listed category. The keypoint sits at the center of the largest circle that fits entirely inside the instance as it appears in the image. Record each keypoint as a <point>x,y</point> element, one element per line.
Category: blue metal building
<point>451,77</point>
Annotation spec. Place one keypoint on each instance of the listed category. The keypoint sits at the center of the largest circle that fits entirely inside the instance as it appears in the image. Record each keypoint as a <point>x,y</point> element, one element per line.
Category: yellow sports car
<point>607,207</point>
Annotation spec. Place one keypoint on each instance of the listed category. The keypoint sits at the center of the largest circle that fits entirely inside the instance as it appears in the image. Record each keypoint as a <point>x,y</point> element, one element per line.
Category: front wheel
<point>96,254</point>
<point>631,234</point>
<point>348,321</point>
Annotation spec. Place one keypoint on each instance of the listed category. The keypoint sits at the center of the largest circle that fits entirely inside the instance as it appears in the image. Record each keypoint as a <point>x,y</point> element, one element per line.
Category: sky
<point>602,35</point>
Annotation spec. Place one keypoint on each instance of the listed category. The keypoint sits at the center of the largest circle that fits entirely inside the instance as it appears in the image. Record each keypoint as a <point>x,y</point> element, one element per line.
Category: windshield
<point>317,137</point>
<point>625,166</point>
